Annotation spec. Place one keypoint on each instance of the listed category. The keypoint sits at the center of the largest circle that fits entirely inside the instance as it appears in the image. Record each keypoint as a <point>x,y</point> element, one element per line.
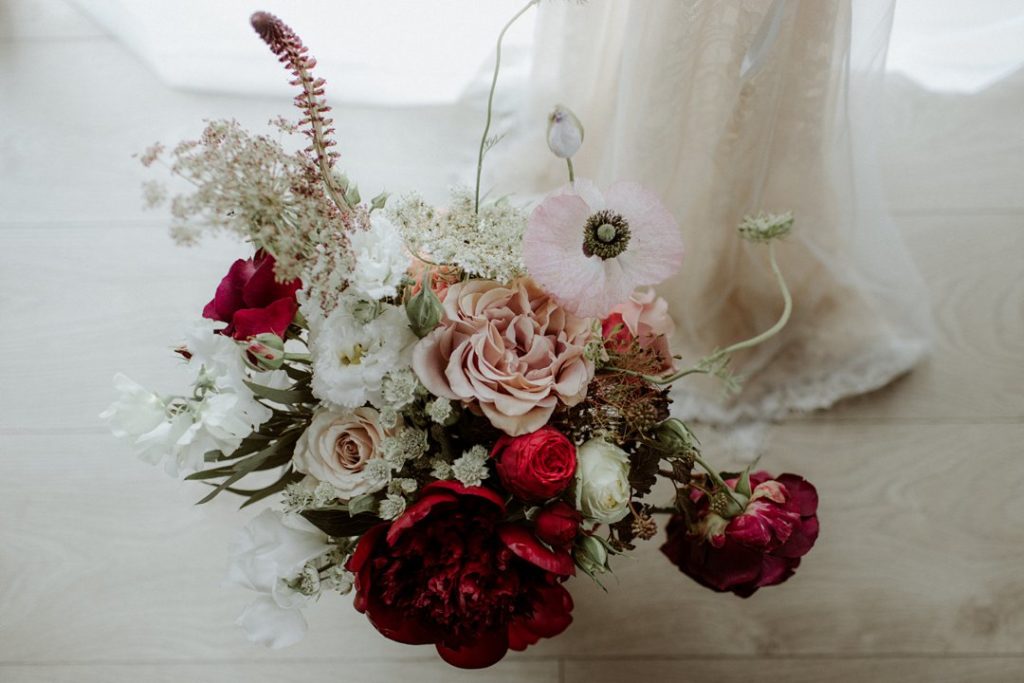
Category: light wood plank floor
<point>108,573</point>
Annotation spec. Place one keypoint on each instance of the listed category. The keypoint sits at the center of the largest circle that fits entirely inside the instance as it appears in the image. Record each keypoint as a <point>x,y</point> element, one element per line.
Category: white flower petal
<point>267,624</point>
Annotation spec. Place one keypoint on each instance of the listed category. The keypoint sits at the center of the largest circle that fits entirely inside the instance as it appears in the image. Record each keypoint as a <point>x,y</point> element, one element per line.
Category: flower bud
<point>557,524</point>
<point>591,555</point>
<point>565,132</point>
<point>265,351</point>
<point>423,308</point>
<point>674,436</point>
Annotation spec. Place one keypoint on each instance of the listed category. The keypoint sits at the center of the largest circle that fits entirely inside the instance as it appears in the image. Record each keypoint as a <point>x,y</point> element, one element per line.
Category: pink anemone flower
<point>590,249</point>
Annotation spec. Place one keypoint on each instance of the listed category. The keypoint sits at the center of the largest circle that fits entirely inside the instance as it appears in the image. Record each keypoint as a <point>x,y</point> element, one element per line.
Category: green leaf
<point>379,201</point>
<point>274,455</point>
<point>282,396</point>
<point>365,503</point>
<point>340,524</point>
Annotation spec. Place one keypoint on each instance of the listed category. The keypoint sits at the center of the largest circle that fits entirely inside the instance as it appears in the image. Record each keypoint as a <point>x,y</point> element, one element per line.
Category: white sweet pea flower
<point>215,357</point>
<point>268,556</point>
<point>351,355</point>
<point>381,258</point>
<point>139,417</point>
<point>219,421</point>
<point>602,481</point>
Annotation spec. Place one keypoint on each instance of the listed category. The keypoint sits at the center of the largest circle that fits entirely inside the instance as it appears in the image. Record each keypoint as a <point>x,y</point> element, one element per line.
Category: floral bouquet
<point>456,408</point>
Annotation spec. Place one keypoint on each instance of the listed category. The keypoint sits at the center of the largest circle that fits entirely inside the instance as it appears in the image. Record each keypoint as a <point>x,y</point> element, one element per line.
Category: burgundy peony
<point>557,524</point>
<point>251,301</point>
<point>452,572</point>
<point>761,546</point>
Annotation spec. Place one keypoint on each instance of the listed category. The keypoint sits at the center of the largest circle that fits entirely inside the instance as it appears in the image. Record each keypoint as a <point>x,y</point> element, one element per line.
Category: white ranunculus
<point>266,556</point>
<point>336,448</point>
<point>351,356</point>
<point>381,258</point>
<point>602,481</point>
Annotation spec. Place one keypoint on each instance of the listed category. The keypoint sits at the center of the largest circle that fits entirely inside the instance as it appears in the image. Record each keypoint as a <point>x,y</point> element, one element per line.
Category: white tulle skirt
<point>730,108</point>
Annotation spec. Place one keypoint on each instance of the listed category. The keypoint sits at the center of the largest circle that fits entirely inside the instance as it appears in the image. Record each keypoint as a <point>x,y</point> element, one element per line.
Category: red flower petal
<point>262,286</point>
<point>418,511</point>
<point>228,297</point>
<point>552,614</point>
<point>803,496</point>
<point>365,548</point>
<point>248,322</point>
<point>456,487</point>
<point>528,547</point>
<point>486,650</point>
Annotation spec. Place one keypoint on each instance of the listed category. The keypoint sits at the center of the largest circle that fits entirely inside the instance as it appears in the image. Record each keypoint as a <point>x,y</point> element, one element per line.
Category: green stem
<point>710,361</point>
<point>572,174</point>
<point>490,101</point>
<point>719,482</point>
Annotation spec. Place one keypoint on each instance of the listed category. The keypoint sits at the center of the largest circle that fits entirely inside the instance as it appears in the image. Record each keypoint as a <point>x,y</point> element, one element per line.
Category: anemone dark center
<point>605,234</point>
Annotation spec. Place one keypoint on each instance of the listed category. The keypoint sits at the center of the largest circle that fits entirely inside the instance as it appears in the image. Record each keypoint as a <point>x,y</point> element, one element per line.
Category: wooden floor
<point>108,573</point>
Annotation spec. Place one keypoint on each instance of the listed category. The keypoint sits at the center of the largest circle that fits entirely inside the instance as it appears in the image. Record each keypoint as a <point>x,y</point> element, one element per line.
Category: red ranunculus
<point>452,572</point>
<point>761,546</point>
<point>537,466</point>
<point>557,524</point>
<point>251,301</point>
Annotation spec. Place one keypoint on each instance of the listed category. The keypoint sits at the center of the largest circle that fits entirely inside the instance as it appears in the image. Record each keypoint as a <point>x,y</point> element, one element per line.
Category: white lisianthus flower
<point>268,556</point>
<point>602,481</point>
<point>351,356</point>
<point>381,259</point>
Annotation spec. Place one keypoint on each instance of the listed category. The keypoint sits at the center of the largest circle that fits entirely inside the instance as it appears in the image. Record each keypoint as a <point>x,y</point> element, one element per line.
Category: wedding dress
<point>726,109</point>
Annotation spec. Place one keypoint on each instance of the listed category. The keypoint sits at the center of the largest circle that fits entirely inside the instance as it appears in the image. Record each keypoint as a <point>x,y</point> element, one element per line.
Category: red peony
<point>452,572</point>
<point>761,546</point>
<point>537,466</point>
<point>251,301</point>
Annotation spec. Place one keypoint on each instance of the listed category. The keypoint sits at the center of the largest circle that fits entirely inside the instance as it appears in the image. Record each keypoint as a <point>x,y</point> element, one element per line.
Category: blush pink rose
<point>645,319</point>
<point>509,352</point>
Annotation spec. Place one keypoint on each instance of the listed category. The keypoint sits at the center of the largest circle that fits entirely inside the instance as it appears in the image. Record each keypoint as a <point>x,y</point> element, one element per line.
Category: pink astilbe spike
<point>294,55</point>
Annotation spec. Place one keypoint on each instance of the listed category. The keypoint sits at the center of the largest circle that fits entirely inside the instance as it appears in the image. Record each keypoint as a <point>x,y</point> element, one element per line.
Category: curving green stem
<point>702,367</point>
<point>490,101</point>
<point>572,173</point>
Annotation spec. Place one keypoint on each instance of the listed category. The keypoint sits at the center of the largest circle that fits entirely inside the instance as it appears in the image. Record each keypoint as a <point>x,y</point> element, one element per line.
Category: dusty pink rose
<point>591,249</point>
<point>509,352</point>
<point>643,318</point>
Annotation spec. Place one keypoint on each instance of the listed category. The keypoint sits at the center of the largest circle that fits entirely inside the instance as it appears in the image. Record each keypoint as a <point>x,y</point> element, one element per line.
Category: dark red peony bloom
<point>557,524</point>
<point>537,466</point>
<point>251,301</point>
<point>761,546</point>
<point>452,572</point>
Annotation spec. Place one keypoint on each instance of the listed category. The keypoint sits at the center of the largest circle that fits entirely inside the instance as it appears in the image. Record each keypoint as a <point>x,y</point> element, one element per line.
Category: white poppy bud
<point>565,132</point>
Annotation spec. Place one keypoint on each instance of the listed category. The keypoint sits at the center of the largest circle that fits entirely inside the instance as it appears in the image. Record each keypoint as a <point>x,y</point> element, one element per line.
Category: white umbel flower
<point>351,357</point>
<point>381,258</point>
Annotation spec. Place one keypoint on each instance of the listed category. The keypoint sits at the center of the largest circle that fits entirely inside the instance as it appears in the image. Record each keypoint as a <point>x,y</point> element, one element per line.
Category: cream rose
<point>602,481</point>
<point>336,447</point>
<point>510,352</point>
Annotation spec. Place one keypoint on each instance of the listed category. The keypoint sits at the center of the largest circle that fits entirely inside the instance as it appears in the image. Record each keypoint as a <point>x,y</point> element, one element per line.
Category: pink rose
<point>645,319</point>
<point>509,352</point>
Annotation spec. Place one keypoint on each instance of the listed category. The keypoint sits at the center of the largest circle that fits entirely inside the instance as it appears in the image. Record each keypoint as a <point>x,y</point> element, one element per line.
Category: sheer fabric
<point>729,108</point>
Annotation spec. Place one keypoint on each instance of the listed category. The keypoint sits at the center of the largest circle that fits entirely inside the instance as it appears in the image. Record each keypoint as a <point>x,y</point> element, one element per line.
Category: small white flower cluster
<point>381,258</point>
<point>301,495</point>
<point>485,244</point>
<point>399,388</point>
<point>470,469</point>
<point>440,410</point>
<point>408,444</point>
